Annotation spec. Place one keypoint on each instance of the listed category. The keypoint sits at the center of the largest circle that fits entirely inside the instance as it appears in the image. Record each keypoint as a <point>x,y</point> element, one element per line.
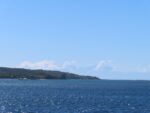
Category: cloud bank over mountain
<point>48,65</point>
<point>103,69</point>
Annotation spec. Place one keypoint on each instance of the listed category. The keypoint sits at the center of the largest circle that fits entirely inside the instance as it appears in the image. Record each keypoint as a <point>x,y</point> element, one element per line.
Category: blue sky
<point>105,38</point>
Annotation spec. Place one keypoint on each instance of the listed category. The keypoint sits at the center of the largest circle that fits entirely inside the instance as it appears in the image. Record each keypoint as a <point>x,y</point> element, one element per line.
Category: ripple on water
<point>48,96</point>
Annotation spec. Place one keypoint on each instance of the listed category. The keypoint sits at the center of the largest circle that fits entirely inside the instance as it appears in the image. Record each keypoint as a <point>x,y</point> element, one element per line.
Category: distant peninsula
<point>18,73</point>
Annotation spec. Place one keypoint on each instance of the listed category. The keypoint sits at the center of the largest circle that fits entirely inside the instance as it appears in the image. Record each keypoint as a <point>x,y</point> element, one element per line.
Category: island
<point>19,73</point>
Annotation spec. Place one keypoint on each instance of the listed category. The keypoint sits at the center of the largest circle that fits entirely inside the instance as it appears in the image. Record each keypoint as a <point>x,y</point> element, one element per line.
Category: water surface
<point>74,96</point>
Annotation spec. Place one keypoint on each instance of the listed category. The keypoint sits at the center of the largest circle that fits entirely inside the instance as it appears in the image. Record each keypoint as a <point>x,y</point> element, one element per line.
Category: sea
<point>74,96</point>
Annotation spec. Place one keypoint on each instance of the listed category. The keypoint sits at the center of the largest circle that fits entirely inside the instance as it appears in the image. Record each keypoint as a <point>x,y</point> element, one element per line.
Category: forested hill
<point>17,73</point>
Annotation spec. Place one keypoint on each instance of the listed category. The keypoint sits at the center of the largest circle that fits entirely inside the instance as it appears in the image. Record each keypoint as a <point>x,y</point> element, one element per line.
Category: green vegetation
<point>15,73</point>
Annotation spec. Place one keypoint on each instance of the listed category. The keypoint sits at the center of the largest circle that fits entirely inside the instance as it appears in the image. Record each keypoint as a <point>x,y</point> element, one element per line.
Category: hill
<point>17,73</point>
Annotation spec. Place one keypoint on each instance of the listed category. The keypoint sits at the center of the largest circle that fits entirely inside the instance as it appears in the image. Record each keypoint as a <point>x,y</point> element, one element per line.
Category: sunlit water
<point>74,96</point>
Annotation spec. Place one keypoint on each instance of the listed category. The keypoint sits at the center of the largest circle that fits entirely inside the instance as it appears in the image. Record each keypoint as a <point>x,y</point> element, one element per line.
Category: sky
<point>105,38</point>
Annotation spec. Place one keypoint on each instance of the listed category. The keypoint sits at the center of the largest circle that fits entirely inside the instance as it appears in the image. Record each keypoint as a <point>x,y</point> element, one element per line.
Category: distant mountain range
<point>17,73</point>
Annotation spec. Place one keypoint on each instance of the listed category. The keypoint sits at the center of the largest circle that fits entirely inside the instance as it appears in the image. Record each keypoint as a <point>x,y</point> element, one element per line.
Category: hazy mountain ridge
<point>18,73</point>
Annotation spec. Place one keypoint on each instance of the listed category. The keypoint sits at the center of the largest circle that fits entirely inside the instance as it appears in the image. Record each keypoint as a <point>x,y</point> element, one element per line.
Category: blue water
<point>74,96</point>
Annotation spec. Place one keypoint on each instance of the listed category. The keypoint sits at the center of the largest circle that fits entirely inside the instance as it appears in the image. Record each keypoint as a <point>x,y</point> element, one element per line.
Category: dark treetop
<point>17,73</point>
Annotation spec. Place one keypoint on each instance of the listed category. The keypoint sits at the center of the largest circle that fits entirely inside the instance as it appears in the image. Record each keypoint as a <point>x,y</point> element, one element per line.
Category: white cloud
<point>105,65</point>
<point>103,69</point>
<point>69,66</point>
<point>48,65</point>
<point>38,65</point>
<point>143,69</point>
